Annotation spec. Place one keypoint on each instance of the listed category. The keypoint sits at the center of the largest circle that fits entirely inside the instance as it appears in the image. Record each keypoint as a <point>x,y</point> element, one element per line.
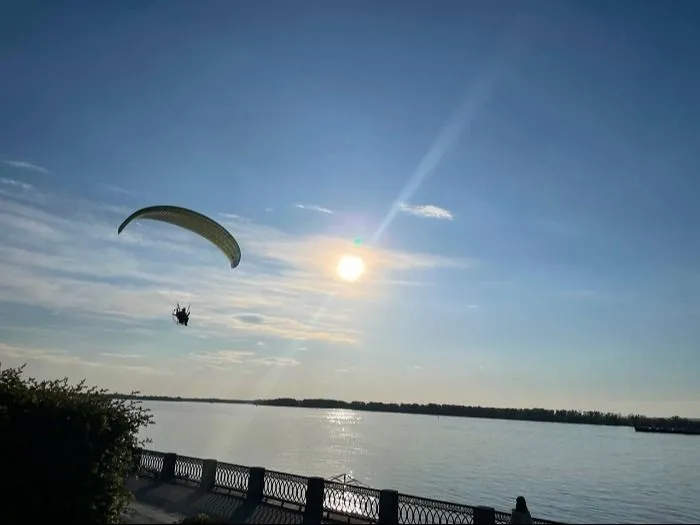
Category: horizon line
<point>390,403</point>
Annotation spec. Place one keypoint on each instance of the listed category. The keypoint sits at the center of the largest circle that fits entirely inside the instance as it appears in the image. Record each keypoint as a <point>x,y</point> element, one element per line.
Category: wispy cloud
<point>23,165</point>
<point>427,211</point>
<point>592,295</point>
<point>117,189</point>
<point>15,183</point>
<point>233,216</point>
<point>100,302</point>
<point>14,355</point>
<point>314,207</point>
<point>277,361</point>
<point>236,358</point>
<point>222,358</point>
<point>62,254</point>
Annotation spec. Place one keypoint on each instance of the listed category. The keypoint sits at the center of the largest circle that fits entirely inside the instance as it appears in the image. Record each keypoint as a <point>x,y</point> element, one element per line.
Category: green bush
<point>65,450</point>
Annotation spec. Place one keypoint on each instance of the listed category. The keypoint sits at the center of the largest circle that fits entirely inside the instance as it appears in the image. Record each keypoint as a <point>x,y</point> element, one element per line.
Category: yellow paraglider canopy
<point>194,222</point>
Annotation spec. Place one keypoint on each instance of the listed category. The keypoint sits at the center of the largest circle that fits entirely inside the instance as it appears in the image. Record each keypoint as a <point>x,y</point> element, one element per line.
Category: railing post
<point>484,516</point>
<point>136,459</point>
<point>256,484</point>
<point>208,474</point>
<point>388,506</point>
<point>167,473</point>
<point>313,510</point>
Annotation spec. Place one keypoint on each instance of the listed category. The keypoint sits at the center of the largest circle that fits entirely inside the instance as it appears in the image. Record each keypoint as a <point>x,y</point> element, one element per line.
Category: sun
<point>350,268</point>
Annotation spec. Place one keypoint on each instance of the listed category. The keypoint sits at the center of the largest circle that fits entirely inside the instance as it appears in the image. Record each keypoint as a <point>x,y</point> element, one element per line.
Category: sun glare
<point>350,268</point>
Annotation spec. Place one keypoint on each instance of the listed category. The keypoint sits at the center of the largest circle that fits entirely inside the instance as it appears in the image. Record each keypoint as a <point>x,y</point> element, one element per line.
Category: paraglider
<point>196,223</point>
<point>181,315</point>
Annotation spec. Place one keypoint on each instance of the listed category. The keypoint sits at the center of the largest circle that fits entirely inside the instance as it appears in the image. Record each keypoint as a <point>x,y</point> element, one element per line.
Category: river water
<point>571,473</point>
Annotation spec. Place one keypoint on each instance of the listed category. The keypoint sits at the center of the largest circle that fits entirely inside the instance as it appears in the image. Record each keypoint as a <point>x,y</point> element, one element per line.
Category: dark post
<point>313,511</point>
<point>388,506</point>
<point>256,484</point>
<point>136,459</point>
<point>484,516</point>
<point>167,473</point>
<point>208,474</point>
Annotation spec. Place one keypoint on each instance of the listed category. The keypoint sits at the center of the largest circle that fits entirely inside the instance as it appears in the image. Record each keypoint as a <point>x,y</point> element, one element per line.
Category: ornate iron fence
<point>503,518</point>
<point>285,487</point>
<point>151,462</point>
<point>419,511</point>
<point>358,504</point>
<point>232,477</point>
<point>352,500</point>
<point>188,469</point>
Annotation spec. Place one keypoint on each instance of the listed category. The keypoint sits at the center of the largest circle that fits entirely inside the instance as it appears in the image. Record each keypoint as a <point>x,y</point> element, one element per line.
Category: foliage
<point>73,447</point>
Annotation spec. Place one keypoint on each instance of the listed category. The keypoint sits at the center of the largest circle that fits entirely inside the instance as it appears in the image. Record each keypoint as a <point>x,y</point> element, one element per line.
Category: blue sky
<point>523,177</point>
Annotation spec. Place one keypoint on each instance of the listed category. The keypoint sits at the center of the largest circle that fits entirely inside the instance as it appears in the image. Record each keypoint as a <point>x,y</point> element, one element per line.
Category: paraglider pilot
<point>181,315</point>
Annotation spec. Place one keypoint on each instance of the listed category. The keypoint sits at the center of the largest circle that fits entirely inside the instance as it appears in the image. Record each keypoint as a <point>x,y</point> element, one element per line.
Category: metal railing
<point>188,469</point>
<point>318,499</point>
<point>231,477</point>
<point>286,488</point>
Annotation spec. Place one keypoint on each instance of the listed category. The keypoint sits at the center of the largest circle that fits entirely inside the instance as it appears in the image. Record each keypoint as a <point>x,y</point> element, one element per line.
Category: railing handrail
<point>315,496</point>
<point>347,479</point>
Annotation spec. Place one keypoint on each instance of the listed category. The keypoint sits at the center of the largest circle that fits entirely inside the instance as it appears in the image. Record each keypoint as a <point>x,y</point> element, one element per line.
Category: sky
<point>520,179</point>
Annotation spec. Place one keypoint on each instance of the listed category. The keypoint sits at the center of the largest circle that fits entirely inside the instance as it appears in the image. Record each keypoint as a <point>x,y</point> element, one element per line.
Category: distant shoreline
<point>541,415</point>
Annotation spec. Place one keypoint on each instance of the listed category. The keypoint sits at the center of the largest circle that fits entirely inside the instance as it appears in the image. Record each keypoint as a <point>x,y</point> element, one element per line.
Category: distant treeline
<point>142,397</point>
<point>591,417</point>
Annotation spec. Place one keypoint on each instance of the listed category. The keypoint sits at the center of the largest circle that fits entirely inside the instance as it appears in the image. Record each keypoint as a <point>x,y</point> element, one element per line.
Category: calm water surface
<point>573,473</point>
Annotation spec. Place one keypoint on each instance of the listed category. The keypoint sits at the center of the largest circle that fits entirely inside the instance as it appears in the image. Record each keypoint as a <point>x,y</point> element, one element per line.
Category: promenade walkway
<point>157,502</point>
<point>143,513</point>
<point>189,486</point>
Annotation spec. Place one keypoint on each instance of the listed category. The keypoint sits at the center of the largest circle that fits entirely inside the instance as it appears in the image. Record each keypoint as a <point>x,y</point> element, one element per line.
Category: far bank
<point>542,415</point>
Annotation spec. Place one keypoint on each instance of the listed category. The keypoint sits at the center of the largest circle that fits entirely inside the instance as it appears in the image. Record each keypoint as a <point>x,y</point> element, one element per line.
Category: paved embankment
<point>144,513</point>
<point>157,502</point>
